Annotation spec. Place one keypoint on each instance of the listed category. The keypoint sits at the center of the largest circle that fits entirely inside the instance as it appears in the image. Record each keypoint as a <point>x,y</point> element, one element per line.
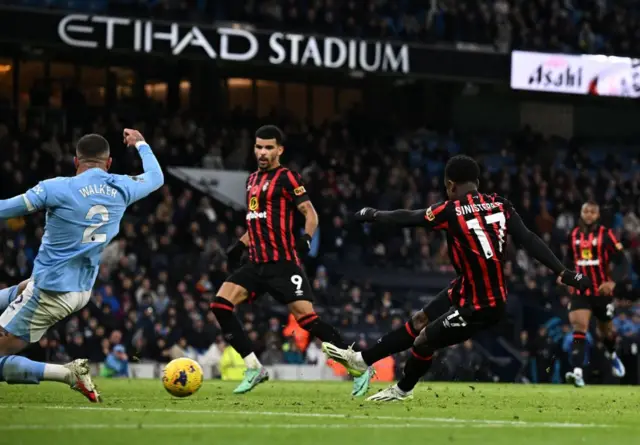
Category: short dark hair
<point>270,132</point>
<point>92,147</point>
<point>461,169</point>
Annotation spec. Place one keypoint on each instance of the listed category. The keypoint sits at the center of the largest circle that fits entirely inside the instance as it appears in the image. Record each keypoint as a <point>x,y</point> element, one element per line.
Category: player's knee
<point>233,293</point>
<point>421,339</point>
<point>221,307</point>
<point>579,325</point>
<point>22,286</point>
<point>419,321</point>
<point>301,309</point>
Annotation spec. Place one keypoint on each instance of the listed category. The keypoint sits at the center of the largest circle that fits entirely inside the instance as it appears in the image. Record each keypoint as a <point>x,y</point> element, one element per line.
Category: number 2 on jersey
<point>88,235</point>
<point>494,218</point>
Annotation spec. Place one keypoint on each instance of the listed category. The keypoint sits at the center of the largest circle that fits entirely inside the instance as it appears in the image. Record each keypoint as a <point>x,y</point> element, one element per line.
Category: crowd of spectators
<point>543,25</point>
<point>157,277</point>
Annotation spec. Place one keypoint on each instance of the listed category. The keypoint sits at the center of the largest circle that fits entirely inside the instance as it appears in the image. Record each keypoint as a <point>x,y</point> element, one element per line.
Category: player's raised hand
<point>132,136</point>
<point>366,214</point>
<point>575,279</point>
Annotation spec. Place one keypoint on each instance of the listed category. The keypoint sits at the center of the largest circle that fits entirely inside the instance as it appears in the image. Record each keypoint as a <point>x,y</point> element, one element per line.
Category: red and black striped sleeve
<point>436,217</point>
<point>616,250</point>
<point>294,187</point>
<point>612,243</point>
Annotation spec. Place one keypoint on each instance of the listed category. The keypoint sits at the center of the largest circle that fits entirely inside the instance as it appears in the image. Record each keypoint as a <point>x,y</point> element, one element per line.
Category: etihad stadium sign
<point>235,43</point>
<point>232,44</point>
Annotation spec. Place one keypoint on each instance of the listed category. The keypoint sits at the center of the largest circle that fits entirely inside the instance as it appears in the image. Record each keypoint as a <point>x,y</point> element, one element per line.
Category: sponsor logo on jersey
<point>587,254</point>
<point>253,203</point>
<point>256,215</point>
<point>429,215</point>
<point>299,191</point>
<point>137,178</point>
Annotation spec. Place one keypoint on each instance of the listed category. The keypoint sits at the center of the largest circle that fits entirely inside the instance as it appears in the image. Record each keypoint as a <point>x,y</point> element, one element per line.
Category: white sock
<point>57,373</point>
<point>252,361</point>
<point>577,372</point>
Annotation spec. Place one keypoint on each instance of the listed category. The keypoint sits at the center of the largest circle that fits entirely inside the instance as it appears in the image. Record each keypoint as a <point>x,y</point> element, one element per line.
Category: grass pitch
<point>140,412</point>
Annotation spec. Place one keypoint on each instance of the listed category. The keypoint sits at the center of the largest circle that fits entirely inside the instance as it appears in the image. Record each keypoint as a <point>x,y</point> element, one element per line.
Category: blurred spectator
<point>116,364</point>
<point>232,365</point>
<point>292,354</point>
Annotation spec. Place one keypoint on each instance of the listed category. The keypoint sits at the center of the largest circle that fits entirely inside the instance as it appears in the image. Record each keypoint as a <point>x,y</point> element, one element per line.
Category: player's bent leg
<point>15,369</point>
<point>452,327</point>
<point>229,295</point>
<point>395,341</point>
<point>579,319</point>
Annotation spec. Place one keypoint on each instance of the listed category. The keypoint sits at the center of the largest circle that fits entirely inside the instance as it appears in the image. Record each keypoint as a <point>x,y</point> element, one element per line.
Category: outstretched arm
<point>399,217</point>
<point>434,217</point>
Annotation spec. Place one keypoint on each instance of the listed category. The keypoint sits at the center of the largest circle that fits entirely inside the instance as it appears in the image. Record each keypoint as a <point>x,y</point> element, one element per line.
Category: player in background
<point>591,250</point>
<point>83,216</point>
<point>273,195</point>
<point>477,226</point>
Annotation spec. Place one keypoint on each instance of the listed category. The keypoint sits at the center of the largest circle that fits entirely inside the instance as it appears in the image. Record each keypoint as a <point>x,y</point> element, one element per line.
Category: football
<point>182,377</point>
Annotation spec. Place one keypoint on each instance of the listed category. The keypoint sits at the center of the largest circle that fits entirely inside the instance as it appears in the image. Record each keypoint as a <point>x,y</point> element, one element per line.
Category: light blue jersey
<point>83,216</point>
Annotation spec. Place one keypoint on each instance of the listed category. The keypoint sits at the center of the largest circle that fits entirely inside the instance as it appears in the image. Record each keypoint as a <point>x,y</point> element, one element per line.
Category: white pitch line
<point>515,423</point>
<point>183,426</point>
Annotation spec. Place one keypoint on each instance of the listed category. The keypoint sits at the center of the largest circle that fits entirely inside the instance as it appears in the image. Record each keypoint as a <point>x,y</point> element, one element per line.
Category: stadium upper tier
<point>557,26</point>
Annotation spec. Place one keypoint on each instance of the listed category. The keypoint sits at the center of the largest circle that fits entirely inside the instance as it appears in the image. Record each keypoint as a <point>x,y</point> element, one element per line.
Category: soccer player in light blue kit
<point>83,216</point>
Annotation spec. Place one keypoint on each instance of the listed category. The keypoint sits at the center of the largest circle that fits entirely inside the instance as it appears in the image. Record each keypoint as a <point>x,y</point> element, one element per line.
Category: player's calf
<point>398,340</point>
<point>312,323</point>
<point>17,370</point>
<point>10,344</point>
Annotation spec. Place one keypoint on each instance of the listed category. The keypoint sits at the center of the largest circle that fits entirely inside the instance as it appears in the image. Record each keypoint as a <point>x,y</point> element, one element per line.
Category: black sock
<point>416,367</point>
<point>395,341</point>
<point>609,342</point>
<point>577,349</point>
<point>320,329</point>
<point>231,327</point>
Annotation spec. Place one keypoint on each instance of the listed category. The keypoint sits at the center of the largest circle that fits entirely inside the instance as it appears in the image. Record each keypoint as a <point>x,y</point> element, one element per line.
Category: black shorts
<point>601,307</point>
<point>284,280</point>
<point>450,325</point>
<point>439,305</point>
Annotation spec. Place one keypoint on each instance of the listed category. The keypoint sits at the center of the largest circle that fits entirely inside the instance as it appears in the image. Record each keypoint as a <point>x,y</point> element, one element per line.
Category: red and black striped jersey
<point>589,253</point>
<point>476,227</point>
<point>272,200</point>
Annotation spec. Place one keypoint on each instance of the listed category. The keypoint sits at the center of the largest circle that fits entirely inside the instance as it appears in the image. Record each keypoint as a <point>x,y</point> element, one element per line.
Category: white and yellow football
<point>182,377</point>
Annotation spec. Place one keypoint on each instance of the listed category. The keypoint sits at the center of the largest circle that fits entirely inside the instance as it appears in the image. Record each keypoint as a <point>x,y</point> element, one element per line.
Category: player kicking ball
<point>83,216</point>
<point>477,226</point>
